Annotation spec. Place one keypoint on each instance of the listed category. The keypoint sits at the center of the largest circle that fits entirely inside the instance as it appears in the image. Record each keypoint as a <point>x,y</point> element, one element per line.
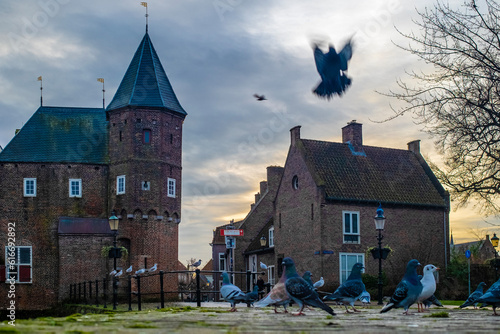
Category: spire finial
<point>145,4</point>
<point>103,90</point>
<point>41,88</point>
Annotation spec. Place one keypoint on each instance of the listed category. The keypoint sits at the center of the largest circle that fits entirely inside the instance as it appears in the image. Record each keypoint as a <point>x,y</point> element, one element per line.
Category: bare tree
<point>458,103</point>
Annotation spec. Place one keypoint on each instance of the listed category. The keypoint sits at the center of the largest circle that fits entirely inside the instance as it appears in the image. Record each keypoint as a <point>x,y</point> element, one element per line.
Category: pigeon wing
<point>400,294</point>
<point>345,55</point>
<point>320,60</point>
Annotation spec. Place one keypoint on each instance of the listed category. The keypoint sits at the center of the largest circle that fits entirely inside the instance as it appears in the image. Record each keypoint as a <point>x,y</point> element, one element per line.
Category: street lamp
<point>379,225</point>
<point>494,242</point>
<point>113,225</point>
<point>263,241</point>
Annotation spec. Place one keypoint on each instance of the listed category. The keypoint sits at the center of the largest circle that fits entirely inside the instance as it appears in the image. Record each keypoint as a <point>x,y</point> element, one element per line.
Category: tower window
<point>120,185</point>
<point>146,136</point>
<point>75,188</point>
<point>171,187</point>
<point>30,187</point>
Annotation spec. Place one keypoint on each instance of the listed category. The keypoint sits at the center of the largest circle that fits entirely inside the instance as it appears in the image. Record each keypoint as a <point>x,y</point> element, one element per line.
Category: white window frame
<point>271,236</point>
<point>120,184</point>
<point>350,232</point>
<point>345,267</point>
<point>79,182</point>
<point>252,263</point>
<point>271,279</point>
<point>26,188</point>
<point>171,187</point>
<point>222,260</point>
<point>17,263</point>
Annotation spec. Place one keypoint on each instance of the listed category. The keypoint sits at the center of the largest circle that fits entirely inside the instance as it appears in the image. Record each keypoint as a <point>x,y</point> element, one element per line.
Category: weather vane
<point>41,88</point>
<point>145,4</point>
<point>103,101</point>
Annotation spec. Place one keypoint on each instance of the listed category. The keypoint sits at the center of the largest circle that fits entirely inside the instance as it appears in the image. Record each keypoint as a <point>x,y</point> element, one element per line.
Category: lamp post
<point>113,225</point>
<point>494,242</point>
<point>379,225</point>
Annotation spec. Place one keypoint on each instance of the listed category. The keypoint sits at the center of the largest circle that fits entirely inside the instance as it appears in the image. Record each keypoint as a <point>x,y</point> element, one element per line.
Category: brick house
<point>68,169</point>
<point>322,209</point>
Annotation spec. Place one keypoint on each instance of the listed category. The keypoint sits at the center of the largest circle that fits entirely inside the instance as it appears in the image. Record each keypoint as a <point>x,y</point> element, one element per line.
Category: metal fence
<point>96,291</point>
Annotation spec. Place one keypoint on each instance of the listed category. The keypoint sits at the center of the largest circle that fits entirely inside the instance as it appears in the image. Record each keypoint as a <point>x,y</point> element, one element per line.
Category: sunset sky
<point>217,54</point>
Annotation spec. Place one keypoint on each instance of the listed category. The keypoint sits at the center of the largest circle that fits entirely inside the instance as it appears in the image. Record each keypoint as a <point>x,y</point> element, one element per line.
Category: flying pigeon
<point>153,268</point>
<point>491,297</point>
<point>113,273</point>
<point>259,97</point>
<point>331,67</point>
<point>118,274</point>
<point>129,270</point>
<point>307,277</point>
<point>365,297</point>
<point>407,291</point>
<point>277,296</point>
<point>472,300</point>
<point>319,283</point>
<point>428,286</point>
<point>197,264</point>
<point>263,266</point>
<point>231,293</point>
<point>140,271</point>
<point>300,291</point>
<point>349,291</point>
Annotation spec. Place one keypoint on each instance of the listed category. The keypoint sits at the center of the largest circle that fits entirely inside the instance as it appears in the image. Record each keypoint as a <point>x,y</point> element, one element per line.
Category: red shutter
<point>24,273</point>
<point>2,273</point>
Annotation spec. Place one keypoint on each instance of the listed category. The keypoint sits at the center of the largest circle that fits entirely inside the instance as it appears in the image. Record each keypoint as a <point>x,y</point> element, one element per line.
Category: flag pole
<point>145,4</point>
<point>41,88</point>
<point>103,90</point>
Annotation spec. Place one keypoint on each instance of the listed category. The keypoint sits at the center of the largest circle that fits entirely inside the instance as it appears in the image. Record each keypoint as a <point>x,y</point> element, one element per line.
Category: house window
<point>146,136</point>
<point>120,185</point>
<point>75,188</point>
<point>271,275</point>
<point>29,187</point>
<point>271,236</point>
<point>347,261</point>
<point>222,261</point>
<point>252,263</point>
<point>171,187</point>
<point>18,263</point>
<point>351,227</point>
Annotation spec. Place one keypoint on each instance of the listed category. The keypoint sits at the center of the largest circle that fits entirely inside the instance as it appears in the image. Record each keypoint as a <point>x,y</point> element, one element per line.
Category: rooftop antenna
<point>41,88</point>
<point>145,4</point>
<point>103,90</point>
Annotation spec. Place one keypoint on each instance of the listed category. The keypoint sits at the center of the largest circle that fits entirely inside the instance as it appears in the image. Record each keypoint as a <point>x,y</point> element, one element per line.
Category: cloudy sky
<point>217,54</point>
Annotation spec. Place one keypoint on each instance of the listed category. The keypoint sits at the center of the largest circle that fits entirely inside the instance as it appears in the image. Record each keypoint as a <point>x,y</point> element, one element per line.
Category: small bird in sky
<point>259,97</point>
<point>473,297</point>
<point>407,291</point>
<point>197,263</point>
<point>129,270</point>
<point>263,266</point>
<point>153,268</point>
<point>331,67</point>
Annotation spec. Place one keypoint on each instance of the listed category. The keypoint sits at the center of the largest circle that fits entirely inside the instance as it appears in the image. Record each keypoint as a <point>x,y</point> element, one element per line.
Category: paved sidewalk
<point>214,318</point>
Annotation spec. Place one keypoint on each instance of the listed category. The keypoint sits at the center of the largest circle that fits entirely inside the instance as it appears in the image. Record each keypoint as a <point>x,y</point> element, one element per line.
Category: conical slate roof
<point>145,83</point>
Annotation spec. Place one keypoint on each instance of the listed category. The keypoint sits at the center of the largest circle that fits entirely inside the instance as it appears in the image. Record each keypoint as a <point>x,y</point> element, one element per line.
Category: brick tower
<point>145,158</point>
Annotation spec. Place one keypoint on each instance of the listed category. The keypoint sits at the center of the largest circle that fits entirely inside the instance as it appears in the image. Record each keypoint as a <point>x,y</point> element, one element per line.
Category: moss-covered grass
<point>437,315</point>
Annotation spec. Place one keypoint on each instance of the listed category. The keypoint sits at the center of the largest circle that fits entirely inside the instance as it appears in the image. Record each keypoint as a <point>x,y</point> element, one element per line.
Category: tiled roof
<point>380,175</point>
<point>145,83</point>
<point>61,134</point>
<point>209,266</point>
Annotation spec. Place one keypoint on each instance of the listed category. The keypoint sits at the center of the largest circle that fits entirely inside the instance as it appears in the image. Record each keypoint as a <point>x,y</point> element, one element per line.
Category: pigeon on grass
<point>407,291</point>
<point>491,297</point>
<point>252,296</point>
<point>300,291</point>
<point>473,297</point>
<point>277,296</point>
<point>231,293</point>
<point>351,290</point>
<point>428,286</point>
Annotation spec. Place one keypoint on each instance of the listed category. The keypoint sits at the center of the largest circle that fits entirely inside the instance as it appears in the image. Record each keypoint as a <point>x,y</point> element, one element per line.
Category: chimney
<point>295,134</point>
<point>353,133</point>
<point>257,197</point>
<point>263,187</point>
<point>414,146</point>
